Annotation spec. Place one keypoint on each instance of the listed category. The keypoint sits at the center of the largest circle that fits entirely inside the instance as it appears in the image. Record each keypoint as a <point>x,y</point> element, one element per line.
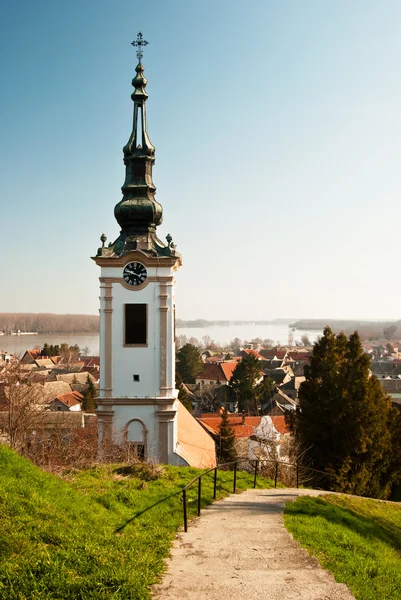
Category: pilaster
<point>166,422</point>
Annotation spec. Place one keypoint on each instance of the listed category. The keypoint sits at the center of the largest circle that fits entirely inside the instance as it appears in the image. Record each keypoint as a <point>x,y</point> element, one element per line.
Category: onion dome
<point>138,213</point>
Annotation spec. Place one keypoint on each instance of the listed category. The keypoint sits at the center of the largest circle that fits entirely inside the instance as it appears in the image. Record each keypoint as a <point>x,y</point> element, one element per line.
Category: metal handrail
<point>198,478</point>
<point>256,462</point>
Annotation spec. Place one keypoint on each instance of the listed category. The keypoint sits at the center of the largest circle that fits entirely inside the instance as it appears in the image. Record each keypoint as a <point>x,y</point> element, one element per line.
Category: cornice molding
<point>137,288</point>
<point>109,403</point>
<point>136,256</point>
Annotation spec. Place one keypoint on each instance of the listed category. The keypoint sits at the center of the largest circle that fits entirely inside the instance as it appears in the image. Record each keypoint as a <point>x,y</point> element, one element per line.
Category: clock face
<point>134,273</point>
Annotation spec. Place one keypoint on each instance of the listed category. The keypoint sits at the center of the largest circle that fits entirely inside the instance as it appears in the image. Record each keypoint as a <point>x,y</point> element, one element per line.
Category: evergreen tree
<point>190,363</point>
<point>345,423</point>
<point>226,440</point>
<point>184,398</point>
<point>45,350</point>
<point>247,386</point>
<point>88,404</point>
<point>182,393</point>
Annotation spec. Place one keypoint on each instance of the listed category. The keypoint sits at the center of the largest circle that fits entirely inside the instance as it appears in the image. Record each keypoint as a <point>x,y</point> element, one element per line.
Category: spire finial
<point>139,43</point>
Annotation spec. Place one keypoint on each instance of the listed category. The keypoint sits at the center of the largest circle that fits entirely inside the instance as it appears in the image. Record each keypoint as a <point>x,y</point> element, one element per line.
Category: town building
<point>256,437</point>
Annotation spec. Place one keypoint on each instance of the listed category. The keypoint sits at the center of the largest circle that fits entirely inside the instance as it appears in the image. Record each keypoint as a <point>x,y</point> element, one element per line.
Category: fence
<point>255,464</point>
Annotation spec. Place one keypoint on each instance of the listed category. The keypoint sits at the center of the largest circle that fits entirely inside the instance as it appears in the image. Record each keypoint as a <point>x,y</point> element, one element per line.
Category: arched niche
<point>136,436</point>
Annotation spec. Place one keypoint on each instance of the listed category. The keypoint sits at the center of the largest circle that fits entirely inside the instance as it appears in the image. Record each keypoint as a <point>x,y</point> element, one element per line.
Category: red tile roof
<point>280,424</point>
<point>70,399</point>
<point>271,353</point>
<point>34,353</point>
<point>212,423</point>
<point>90,361</point>
<point>299,355</point>
<point>220,372</point>
<point>228,368</point>
<point>240,431</point>
<point>211,371</point>
<point>253,353</point>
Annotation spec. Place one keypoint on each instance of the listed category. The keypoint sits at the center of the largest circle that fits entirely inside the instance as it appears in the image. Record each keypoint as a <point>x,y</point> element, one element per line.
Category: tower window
<point>136,377</point>
<point>136,324</point>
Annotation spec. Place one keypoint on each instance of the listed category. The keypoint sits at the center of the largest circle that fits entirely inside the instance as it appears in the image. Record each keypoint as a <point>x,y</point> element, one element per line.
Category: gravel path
<point>239,548</point>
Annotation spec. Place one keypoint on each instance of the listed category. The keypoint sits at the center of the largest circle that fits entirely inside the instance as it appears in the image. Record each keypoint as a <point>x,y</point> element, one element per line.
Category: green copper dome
<point>138,213</point>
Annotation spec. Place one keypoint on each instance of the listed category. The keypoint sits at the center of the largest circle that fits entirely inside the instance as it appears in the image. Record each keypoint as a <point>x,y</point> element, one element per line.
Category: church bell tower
<point>137,401</point>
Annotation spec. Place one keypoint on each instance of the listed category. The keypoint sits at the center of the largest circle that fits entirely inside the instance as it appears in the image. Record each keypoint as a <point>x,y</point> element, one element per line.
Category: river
<point>17,344</point>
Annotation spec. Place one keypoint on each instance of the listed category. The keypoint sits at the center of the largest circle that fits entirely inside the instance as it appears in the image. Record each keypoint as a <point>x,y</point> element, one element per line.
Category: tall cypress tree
<point>344,422</point>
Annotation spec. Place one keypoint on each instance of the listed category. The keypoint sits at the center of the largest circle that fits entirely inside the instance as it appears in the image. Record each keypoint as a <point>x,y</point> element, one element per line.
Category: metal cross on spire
<point>139,43</point>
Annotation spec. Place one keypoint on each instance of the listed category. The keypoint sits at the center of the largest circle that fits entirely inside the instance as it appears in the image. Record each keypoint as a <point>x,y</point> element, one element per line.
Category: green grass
<point>84,537</point>
<point>357,539</point>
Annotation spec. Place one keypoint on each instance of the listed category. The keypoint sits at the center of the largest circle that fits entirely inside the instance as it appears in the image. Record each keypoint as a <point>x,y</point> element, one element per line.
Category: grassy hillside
<point>357,539</point>
<point>77,539</point>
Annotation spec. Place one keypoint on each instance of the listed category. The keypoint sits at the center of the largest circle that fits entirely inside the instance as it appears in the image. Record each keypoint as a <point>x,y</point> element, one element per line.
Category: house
<point>283,403</point>
<point>280,375</point>
<point>278,403</point>
<point>5,358</point>
<point>274,363</point>
<point>291,388</point>
<point>274,354</point>
<point>70,401</point>
<point>30,356</point>
<point>33,393</point>
<point>92,362</point>
<point>44,363</point>
<point>255,437</point>
<point>78,380</point>
<point>251,352</point>
<point>216,373</point>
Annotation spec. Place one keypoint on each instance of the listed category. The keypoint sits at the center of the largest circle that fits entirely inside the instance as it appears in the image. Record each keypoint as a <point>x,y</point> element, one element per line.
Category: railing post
<point>199,494</point>
<point>235,477</point>
<point>256,473</point>
<point>276,474</point>
<point>215,484</point>
<point>297,475</point>
<point>184,500</point>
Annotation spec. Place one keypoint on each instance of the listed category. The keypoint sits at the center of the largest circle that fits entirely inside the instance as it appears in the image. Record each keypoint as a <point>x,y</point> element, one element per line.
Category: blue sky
<point>277,127</point>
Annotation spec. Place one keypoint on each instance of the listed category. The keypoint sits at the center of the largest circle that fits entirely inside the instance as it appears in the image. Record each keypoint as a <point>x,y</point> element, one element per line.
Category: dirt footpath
<point>240,549</point>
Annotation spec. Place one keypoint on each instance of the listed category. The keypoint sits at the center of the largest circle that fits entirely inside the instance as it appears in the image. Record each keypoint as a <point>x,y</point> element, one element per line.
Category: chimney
<point>243,417</point>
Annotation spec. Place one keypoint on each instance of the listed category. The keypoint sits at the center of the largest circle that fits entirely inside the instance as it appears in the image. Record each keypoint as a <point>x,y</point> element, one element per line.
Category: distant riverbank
<point>220,334</point>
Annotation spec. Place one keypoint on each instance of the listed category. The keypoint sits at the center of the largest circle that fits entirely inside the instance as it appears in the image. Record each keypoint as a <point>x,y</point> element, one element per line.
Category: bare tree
<point>305,340</point>
<point>389,332</point>
<point>207,341</point>
<point>21,404</point>
<point>195,342</point>
<point>267,343</point>
<point>209,399</point>
<point>69,355</point>
<point>180,341</point>
<point>235,345</point>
